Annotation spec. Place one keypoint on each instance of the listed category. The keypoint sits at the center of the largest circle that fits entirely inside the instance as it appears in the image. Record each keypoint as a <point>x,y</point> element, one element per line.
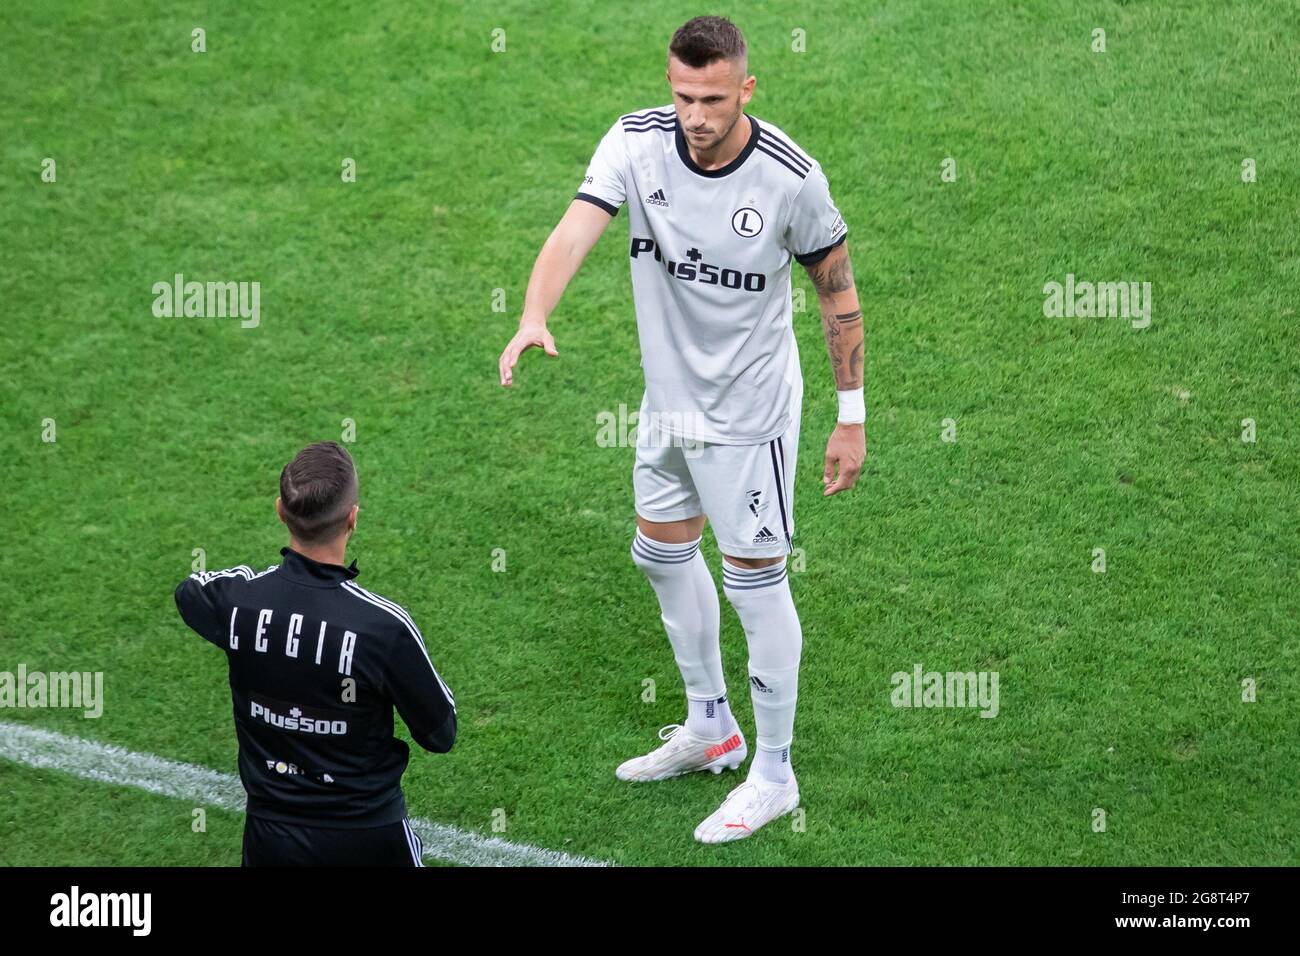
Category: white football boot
<point>752,804</point>
<point>683,752</point>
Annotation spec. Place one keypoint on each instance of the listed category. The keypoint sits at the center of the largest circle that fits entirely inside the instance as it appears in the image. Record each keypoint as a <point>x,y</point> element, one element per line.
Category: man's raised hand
<point>528,336</point>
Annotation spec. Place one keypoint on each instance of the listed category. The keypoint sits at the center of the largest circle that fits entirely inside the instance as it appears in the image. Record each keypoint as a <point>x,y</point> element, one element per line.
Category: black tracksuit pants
<point>273,843</point>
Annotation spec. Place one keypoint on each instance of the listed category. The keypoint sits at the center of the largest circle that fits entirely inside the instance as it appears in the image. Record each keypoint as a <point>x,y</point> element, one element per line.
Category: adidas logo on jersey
<point>765,537</point>
<point>657,198</point>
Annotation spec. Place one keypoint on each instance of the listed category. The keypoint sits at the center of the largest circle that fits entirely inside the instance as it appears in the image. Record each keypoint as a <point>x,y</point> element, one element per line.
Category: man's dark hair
<point>700,41</point>
<point>318,489</point>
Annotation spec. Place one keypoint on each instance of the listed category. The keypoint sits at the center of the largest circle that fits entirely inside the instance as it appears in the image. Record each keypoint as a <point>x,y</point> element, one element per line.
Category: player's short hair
<point>701,41</point>
<point>317,490</point>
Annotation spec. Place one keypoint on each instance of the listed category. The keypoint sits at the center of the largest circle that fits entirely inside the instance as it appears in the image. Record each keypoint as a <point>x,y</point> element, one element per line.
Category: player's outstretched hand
<point>848,449</point>
<point>526,338</point>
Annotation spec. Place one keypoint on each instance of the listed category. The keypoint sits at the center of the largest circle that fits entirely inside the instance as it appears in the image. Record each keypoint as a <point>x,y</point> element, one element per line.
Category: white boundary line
<point>50,750</point>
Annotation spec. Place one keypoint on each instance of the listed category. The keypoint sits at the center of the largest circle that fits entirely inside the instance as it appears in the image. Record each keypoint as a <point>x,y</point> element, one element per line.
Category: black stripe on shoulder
<point>763,148</point>
<point>788,143</point>
<point>778,146</point>
<point>597,201</point>
<point>645,128</point>
<point>668,113</point>
<point>812,258</point>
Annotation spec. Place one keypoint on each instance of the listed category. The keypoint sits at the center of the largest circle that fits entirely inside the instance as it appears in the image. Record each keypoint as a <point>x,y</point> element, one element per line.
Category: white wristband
<point>853,407</point>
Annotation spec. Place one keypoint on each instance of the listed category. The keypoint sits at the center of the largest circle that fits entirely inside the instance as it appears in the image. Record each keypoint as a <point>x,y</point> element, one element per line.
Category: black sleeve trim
<point>812,258</point>
<point>597,201</point>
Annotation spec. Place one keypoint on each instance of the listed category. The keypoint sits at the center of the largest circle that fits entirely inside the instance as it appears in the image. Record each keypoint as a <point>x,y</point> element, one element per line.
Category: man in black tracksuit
<point>317,664</point>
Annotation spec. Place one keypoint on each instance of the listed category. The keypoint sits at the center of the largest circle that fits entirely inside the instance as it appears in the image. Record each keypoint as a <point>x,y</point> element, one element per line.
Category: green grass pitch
<point>1120,691</point>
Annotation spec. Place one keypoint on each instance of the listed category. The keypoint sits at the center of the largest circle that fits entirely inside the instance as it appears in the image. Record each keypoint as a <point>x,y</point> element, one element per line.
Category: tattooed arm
<point>832,277</point>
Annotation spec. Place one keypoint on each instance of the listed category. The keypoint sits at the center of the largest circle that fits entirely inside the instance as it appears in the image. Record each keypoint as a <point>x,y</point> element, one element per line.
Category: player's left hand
<point>847,448</point>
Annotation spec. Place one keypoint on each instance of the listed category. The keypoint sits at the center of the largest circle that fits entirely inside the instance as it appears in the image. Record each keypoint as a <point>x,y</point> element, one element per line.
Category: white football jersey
<point>710,253</point>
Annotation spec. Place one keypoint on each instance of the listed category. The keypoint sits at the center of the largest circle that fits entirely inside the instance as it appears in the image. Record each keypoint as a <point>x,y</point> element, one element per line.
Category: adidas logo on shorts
<point>765,537</point>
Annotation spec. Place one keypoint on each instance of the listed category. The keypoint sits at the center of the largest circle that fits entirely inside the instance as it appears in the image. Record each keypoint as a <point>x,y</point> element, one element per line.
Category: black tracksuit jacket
<point>317,665</point>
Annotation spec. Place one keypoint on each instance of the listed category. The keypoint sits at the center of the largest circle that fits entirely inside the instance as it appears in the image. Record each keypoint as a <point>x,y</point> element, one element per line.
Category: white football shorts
<point>745,491</point>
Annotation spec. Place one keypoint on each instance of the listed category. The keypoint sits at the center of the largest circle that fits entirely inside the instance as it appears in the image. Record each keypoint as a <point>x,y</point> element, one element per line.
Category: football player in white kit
<point>719,204</point>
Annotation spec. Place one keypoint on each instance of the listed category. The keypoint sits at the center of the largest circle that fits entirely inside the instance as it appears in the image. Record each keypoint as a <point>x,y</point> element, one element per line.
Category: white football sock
<point>710,719</point>
<point>773,765</point>
<point>762,599</point>
<point>688,602</point>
